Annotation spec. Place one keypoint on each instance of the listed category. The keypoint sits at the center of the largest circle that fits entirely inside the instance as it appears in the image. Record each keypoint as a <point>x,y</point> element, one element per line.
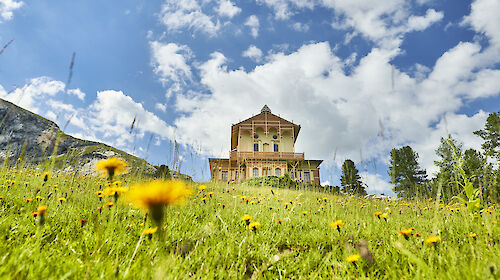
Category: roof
<point>264,115</point>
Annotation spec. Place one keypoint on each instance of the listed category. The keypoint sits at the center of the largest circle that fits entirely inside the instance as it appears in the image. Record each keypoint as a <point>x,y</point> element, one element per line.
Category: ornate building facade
<point>264,145</point>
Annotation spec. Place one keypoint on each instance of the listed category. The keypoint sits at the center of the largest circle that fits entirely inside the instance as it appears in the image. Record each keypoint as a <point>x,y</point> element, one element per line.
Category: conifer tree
<point>350,179</point>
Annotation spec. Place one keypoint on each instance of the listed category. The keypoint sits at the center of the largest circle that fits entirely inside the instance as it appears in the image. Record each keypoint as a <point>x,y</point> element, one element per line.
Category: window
<point>255,172</point>
<point>306,176</point>
<point>293,175</point>
<point>236,175</point>
<point>256,136</point>
<point>277,172</point>
<point>224,175</point>
<point>276,148</point>
<point>256,147</point>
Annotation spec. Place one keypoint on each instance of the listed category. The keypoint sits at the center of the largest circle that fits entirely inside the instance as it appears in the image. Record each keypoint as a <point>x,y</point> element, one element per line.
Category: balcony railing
<point>235,155</point>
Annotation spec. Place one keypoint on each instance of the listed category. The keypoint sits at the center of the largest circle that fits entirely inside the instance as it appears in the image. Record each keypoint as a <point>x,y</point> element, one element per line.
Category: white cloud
<point>253,53</point>
<point>376,184</point>
<point>420,23</point>
<point>227,8</point>
<point>78,93</point>
<point>179,14</point>
<point>302,27</point>
<point>31,95</point>
<point>169,61</point>
<point>253,23</point>
<point>113,113</point>
<point>340,110</point>
<point>7,7</point>
<point>283,9</point>
<point>161,107</point>
<point>383,22</point>
<point>484,19</point>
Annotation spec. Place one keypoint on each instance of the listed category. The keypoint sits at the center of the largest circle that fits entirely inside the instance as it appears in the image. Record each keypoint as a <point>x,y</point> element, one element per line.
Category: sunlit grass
<point>297,234</point>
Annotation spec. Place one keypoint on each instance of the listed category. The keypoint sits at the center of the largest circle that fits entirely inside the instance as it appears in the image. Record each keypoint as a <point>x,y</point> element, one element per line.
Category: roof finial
<point>265,109</point>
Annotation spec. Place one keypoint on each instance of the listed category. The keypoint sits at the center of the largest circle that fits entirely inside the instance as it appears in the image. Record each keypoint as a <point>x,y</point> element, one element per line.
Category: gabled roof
<point>265,114</point>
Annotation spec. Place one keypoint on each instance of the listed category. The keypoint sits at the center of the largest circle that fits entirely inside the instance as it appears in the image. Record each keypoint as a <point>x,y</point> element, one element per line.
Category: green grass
<point>206,240</point>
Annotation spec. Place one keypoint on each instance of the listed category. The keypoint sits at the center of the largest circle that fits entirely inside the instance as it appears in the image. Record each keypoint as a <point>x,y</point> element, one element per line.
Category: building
<point>264,145</point>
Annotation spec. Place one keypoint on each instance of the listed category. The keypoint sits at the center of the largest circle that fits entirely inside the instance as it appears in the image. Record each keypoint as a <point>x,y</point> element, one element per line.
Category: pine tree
<point>408,178</point>
<point>350,179</point>
<point>491,135</point>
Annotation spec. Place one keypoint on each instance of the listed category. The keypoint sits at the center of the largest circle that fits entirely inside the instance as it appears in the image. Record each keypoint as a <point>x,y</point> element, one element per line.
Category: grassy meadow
<point>88,235</point>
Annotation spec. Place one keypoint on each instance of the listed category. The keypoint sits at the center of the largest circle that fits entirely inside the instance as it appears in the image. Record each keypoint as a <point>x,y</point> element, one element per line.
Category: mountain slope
<point>33,138</point>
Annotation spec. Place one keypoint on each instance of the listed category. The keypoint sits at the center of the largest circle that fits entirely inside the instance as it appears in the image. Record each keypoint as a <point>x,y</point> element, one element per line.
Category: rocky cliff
<point>35,140</point>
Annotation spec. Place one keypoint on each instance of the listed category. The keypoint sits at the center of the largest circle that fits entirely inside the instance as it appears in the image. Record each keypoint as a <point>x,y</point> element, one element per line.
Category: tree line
<point>459,169</point>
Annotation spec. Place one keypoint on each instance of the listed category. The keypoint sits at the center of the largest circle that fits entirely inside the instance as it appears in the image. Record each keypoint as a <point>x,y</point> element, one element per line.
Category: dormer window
<point>256,136</point>
<point>275,137</point>
<point>256,147</point>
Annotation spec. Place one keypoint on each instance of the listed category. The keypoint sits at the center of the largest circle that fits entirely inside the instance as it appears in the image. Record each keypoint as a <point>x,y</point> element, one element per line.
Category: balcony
<point>235,155</point>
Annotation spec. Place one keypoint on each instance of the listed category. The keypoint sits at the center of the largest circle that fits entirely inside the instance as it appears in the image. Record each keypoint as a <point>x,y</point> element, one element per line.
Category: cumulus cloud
<point>179,14</point>
<point>169,61</point>
<point>253,22</point>
<point>420,23</point>
<point>7,7</point>
<point>78,93</point>
<point>484,19</point>
<point>361,114</point>
<point>253,53</point>
<point>302,27</point>
<point>283,9</point>
<point>161,107</point>
<point>227,8</point>
<point>376,184</point>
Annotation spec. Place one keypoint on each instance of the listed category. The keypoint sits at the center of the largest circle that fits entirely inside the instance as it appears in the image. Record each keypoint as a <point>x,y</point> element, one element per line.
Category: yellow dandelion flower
<point>61,199</point>
<point>384,216</point>
<point>114,191</point>
<point>353,258</point>
<point>111,166</point>
<point>210,194</point>
<point>156,194</point>
<point>246,218</point>
<point>432,239</point>
<point>337,224</point>
<point>378,213</point>
<point>473,235</point>
<point>42,209</point>
<point>45,177</point>
<point>35,214</point>
<point>202,187</point>
<point>28,199</point>
<point>149,230</point>
<point>254,226</point>
<point>304,212</point>
<point>406,232</point>
<point>110,204</point>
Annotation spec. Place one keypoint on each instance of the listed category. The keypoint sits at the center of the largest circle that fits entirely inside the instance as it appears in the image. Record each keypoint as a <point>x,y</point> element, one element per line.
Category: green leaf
<point>469,188</point>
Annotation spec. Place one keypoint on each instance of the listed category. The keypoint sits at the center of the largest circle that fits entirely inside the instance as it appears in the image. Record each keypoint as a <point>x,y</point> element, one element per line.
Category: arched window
<point>255,172</point>
<point>277,172</point>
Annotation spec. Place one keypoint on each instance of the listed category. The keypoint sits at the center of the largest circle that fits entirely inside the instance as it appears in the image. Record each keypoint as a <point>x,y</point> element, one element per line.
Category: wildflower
<point>384,216</point>
<point>204,199</point>
<point>406,232</point>
<point>202,187</point>
<point>304,213</point>
<point>353,258</point>
<point>149,231</point>
<point>110,204</point>
<point>253,226</point>
<point>473,235</point>
<point>99,209</point>
<point>83,222</point>
<point>246,218</point>
<point>38,198</point>
<point>112,166</point>
<point>28,199</point>
<point>279,222</point>
<point>337,224</point>
<point>417,234</point>
<point>35,214</point>
<point>432,240</point>
<point>114,191</point>
<point>61,199</point>
<point>377,213</point>
<point>210,194</point>
<point>41,211</point>
<point>154,195</point>
<point>45,177</point>
<point>272,192</point>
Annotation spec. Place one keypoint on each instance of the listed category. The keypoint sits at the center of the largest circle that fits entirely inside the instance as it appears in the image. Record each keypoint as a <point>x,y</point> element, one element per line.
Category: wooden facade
<point>264,145</point>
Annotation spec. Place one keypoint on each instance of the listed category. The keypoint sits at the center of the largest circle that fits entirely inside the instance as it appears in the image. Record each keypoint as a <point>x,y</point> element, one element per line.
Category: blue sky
<point>361,77</point>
